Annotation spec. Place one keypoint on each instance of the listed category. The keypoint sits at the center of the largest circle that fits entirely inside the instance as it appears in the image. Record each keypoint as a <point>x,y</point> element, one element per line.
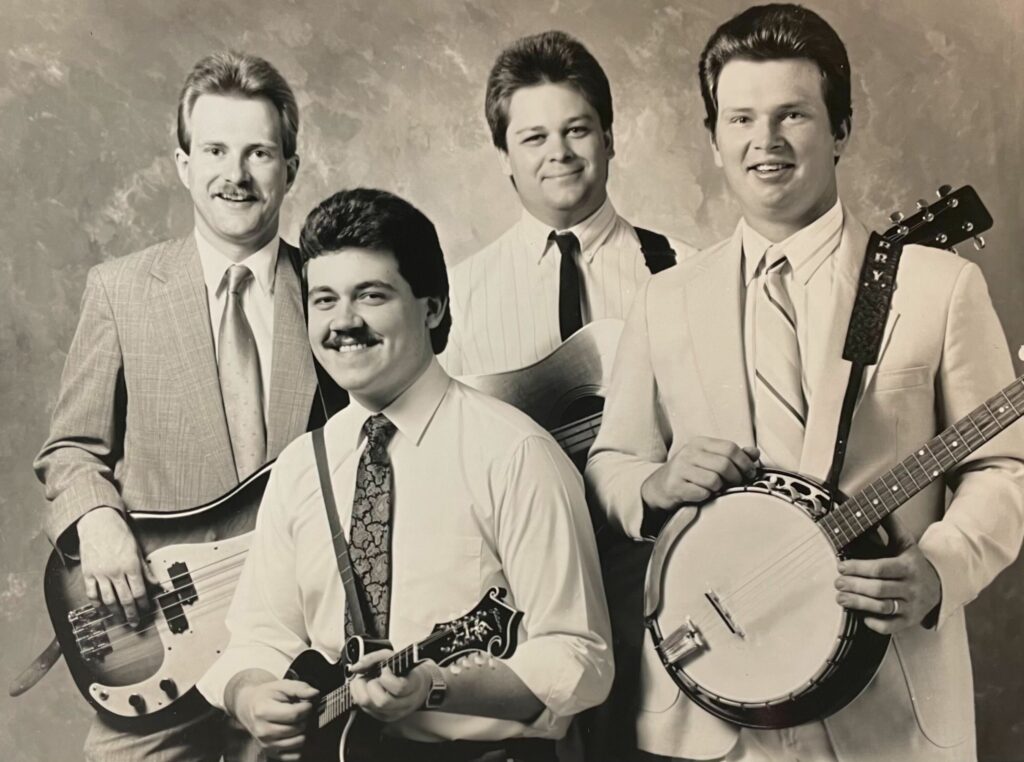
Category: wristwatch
<point>438,687</point>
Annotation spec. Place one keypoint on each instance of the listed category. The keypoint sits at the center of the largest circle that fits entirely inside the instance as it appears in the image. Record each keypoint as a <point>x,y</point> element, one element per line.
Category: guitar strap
<point>864,335</point>
<point>658,252</point>
<point>352,597</point>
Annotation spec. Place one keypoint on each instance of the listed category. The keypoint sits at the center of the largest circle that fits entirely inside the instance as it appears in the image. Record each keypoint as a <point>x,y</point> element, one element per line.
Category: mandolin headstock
<point>492,626</point>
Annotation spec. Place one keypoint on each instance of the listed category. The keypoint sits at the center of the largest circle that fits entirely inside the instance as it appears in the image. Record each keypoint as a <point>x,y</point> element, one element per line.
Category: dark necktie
<point>570,311</point>
<point>370,546</point>
<point>238,364</point>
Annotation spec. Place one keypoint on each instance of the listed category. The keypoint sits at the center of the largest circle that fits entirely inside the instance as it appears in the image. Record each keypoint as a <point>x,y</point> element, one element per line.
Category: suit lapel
<point>830,380</point>
<point>181,306</point>
<point>715,311</point>
<point>292,378</point>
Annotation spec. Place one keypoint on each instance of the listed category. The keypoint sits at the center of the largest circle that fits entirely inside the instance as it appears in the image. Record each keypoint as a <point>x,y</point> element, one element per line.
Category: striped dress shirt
<point>504,299</point>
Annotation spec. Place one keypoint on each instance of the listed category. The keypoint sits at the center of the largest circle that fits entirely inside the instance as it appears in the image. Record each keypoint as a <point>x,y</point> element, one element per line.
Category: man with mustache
<point>735,357</point>
<point>442,492</point>
<point>189,368</point>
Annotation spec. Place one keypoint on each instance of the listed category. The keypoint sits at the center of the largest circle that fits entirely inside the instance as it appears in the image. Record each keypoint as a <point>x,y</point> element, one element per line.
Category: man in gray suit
<point>190,366</point>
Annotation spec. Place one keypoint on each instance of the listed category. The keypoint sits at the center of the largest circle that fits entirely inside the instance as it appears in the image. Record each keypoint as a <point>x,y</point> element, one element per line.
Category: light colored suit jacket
<point>139,420</point>
<point>680,373</point>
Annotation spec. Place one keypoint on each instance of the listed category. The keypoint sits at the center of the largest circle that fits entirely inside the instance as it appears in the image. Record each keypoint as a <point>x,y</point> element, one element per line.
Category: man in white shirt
<point>189,368</point>
<point>571,258</point>
<point>474,494</point>
<point>695,402</point>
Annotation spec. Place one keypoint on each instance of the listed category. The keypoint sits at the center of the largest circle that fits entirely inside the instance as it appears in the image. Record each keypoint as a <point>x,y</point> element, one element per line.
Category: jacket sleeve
<point>76,464</point>
<point>630,446</point>
<point>980,533</point>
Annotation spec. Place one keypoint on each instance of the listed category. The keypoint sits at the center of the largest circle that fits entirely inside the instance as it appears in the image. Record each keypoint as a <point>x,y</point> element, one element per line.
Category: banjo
<point>739,598</point>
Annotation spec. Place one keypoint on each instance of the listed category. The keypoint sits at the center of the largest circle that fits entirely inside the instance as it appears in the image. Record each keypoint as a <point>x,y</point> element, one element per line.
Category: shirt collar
<point>806,249</point>
<point>262,263</point>
<point>591,232</point>
<point>415,407</point>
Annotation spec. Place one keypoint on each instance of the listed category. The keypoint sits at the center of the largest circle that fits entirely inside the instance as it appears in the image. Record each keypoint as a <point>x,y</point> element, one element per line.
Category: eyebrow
<point>570,120</point>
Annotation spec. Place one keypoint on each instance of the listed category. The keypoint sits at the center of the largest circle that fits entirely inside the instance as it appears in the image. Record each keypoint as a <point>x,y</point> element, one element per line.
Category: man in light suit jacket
<point>688,415</point>
<point>190,366</point>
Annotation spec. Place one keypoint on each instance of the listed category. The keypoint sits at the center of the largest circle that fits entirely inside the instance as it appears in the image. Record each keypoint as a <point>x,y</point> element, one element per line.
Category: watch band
<point>438,686</point>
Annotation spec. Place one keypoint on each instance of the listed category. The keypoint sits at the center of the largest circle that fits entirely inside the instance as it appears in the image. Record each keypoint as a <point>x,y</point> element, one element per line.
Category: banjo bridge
<point>681,643</point>
<point>723,612</point>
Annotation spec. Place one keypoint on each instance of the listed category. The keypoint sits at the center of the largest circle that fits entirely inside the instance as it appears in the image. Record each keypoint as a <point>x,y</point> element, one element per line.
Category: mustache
<point>243,188</point>
<point>358,336</point>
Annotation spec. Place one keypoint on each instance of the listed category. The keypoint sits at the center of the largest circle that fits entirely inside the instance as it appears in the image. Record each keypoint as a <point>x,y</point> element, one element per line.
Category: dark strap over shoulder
<point>658,252</point>
<point>352,599</point>
<point>864,335</point>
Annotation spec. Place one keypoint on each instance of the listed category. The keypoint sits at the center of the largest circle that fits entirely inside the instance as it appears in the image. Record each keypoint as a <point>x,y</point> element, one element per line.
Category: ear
<point>609,144</point>
<point>842,139</point>
<point>503,160</point>
<point>181,160</point>
<point>436,307</point>
<point>292,169</point>
<point>714,149</point>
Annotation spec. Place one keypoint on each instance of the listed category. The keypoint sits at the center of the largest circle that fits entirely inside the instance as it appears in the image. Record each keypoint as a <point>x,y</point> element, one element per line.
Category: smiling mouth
<point>770,167</point>
<point>574,173</point>
<point>349,344</point>
<point>235,199</point>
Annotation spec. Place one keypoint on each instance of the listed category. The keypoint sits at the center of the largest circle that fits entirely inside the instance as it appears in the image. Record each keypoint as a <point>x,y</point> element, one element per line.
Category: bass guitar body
<point>142,678</point>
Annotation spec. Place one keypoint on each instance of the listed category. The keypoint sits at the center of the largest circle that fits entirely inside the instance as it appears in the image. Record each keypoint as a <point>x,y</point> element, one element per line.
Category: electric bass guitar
<point>335,729</point>
<point>143,677</point>
<point>739,599</point>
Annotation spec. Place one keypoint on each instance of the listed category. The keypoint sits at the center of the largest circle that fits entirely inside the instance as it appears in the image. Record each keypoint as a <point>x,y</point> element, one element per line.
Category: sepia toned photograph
<point>553,381</point>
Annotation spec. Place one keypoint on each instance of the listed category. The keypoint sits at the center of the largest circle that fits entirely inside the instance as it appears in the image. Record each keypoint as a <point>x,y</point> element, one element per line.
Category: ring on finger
<point>895,607</point>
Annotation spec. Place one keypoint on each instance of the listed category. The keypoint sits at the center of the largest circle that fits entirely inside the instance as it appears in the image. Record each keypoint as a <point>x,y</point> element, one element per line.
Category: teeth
<point>769,167</point>
<point>351,347</point>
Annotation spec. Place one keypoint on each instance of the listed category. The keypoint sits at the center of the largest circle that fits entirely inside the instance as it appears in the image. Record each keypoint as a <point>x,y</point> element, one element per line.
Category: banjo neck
<point>862,511</point>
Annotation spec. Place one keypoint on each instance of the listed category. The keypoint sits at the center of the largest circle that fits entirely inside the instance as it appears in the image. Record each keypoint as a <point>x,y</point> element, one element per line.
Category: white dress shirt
<point>808,282</point>
<point>504,299</point>
<point>482,496</point>
<point>257,299</point>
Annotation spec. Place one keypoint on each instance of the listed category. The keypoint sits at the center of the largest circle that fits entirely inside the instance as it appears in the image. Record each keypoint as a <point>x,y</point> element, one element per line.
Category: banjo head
<point>744,594</point>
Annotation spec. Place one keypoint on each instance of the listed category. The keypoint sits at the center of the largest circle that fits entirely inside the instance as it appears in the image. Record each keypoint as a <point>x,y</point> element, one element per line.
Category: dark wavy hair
<point>365,218</point>
<point>553,57</point>
<point>779,31</point>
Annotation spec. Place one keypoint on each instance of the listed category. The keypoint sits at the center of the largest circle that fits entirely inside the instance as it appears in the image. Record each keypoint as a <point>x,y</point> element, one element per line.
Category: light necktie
<point>780,409</point>
<point>370,544</point>
<point>238,363</point>
<point>570,310</point>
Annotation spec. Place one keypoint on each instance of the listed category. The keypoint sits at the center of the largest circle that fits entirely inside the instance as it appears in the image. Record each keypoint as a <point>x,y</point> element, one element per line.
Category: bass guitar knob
<point>169,687</point>
<point>138,702</point>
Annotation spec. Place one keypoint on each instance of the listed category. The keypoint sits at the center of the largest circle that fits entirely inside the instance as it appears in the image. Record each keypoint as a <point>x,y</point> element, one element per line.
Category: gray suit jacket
<point>680,372</point>
<point>139,420</point>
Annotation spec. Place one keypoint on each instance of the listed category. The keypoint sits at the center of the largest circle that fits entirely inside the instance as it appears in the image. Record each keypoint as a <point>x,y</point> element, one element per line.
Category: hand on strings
<point>275,714</point>
<point>700,469</point>
<point>897,592</point>
<point>388,697</point>
<point>112,564</point>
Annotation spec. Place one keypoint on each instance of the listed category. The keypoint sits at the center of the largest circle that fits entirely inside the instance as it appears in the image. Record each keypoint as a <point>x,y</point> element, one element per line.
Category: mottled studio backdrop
<point>391,95</point>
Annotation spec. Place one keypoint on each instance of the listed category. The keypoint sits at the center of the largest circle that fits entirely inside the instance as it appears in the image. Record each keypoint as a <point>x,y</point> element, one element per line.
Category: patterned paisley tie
<point>238,364</point>
<point>780,409</point>
<point>370,546</point>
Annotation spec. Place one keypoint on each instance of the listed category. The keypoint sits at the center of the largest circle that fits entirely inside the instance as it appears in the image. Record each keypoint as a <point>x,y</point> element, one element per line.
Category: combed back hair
<point>773,32</point>
<point>245,76</point>
<point>364,218</point>
<point>550,57</point>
